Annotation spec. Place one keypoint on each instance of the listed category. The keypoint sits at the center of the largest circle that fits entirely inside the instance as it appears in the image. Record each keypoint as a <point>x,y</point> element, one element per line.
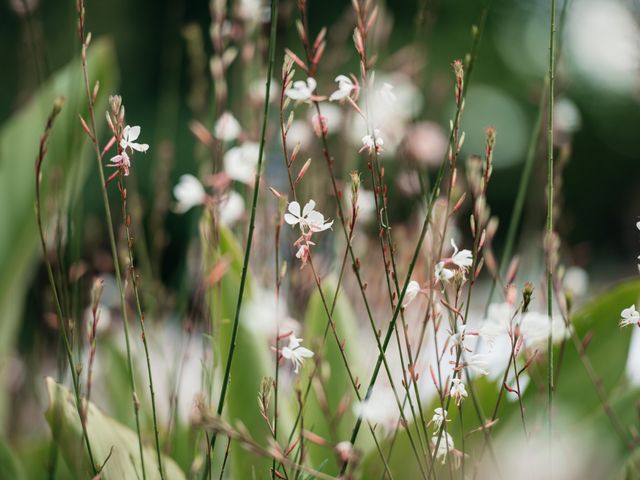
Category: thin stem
<point>134,284</point>
<point>110,230</point>
<point>551,73</point>
<point>252,222</point>
<point>43,243</point>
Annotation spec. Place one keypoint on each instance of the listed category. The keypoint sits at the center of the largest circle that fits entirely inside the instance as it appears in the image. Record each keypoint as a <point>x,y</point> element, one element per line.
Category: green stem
<point>551,73</point>
<point>252,222</point>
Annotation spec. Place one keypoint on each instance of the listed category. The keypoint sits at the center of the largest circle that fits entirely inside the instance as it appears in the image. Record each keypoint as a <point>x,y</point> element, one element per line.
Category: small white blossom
<point>458,391</point>
<point>629,316</point>
<point>310,219</point>
<point>121,161</point>
<point>302,90</point>
<point>189,193</point>
<point>478,363</point>
<point>380,409</point>
<point>240,162</point>
<point>444,447</point>
<point>373,142</point>
<point>231,208</point>
<point>227,127</point>
<point>296,352</point>
<point>443,274</point>
<point>386,92</point>
<point>345,87</point>
<point>463,258</point>
<point>439,416</point>
<point>413,289</point>
<point>129,136</point>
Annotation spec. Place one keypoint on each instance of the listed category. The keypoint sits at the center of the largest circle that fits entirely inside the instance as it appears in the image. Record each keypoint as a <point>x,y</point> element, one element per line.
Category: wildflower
<point>310,219</point>
<point>412,291</point>
<point>458,391</point>
<point>227,127</point>
<point>629,316</point>
<point>386,92</point>
<point>372,142</point>
<point>231,208</point>
<point>380,408</point>
<point>463,258</point>
<point>443,274</point>
<point>444,446</point>
<point>345,87</point>
<point>295,352</point>
<point>129,136</point>
<point>189,193</point>
<point>301,90</point>
<point>121,161</point>
<point>478,364</point>
<point>439,416</point>
<point>240,162</point>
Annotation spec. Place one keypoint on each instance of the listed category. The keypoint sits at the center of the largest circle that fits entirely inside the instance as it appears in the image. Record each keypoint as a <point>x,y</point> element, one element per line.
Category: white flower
<point>240,162</point>
<point>458,391</point>
<point>345,87</point>
<point>295,352</point>
<point>444,447</point>
<point>129,136</point>
<point>302,90</point>
<point>373,142</point>
<point>576,279</point>
<point>443,274</point>
<point>463,258</point>
<point>535,328</point>
<point>629,316</point>
<point>498,321</point>
<point>412,291</point>
<point>309,219</point>
<point>439,416</point>
<point>478,363</point>
<point>121,161</point>
<point>231,208</point>
<point>380,409</point>
<point>227,127</point>
<point>189,192</point>
<point>457,337</point>
<point>386,92</point>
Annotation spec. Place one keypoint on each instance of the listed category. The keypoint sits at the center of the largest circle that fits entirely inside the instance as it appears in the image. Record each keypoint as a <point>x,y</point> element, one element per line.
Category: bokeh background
<point>597,91</point>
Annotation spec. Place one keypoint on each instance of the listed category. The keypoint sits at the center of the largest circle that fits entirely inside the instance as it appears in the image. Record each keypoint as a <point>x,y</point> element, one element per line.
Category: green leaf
<point>335,379</point>
<point>109,439</point>
<point>9,465</point>
<point>19,139</point>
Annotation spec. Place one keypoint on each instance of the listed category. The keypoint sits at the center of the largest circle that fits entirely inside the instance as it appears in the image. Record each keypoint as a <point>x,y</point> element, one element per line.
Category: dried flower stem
<point>43,243</point>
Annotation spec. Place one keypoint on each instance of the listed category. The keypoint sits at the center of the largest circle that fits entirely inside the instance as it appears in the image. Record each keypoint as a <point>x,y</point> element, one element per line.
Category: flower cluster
<point>128,142</point>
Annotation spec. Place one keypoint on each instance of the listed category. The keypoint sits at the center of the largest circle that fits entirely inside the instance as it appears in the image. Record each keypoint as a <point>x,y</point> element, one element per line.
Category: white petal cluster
<point>302,90</point>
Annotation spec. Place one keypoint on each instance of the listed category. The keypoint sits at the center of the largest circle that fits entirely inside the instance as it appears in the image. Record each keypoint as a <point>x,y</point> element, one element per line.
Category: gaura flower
<point>443,274</point>
<point>231,208</point>
<point>372,142</point>
<point>189,193</point>
<point>227,127</point>
<point>444,447</point>
<point>240,162</point>
<point>121,161</point>
<point>301,90</point>
<point>129,136</point>
<point>477,363</point>
<point>412,291</point>
<point>345,87</point>
<point>629,316</point>
<point>386,92</point>
<point>463,258</point>
<point>439,416</point>
<point>296,352</point>
<point>310,219</point>
<point>458,391</point>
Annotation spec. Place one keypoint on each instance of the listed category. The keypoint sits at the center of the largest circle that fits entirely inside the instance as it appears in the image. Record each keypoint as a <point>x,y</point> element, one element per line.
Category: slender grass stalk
<point>551,73</point>
<point>252,222</point>
<point>134,284</point>
<point>85,40</point>
<point>57,107</point>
